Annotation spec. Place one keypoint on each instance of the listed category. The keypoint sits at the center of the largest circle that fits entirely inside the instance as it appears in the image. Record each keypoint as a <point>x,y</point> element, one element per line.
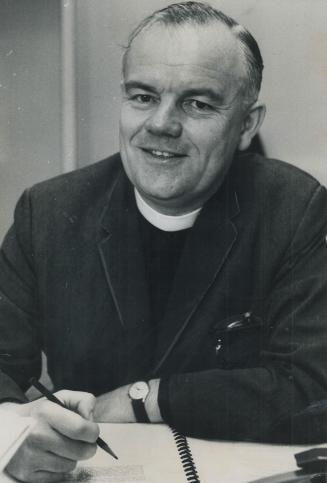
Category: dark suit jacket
<point>72,283</point>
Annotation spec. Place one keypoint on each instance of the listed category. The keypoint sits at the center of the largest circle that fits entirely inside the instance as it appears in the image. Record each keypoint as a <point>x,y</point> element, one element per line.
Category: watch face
<point>138,390</point>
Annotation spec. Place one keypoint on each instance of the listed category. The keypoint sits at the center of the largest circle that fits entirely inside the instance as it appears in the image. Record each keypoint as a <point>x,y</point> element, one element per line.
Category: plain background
<point>60,76</point>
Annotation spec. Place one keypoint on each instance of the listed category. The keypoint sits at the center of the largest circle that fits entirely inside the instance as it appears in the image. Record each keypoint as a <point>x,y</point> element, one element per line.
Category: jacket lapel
<point>206,249</point>
<point>122,257</point>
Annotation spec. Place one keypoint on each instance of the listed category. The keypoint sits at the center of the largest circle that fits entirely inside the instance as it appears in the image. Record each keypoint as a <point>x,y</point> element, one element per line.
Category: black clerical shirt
<point>162,251</point>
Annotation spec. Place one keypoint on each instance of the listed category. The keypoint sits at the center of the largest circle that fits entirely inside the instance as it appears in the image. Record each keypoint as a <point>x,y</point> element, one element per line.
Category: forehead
<point>187,54</point>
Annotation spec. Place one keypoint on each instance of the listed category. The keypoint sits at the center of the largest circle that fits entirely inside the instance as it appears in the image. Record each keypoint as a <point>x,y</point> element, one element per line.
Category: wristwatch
<point>138,393</point>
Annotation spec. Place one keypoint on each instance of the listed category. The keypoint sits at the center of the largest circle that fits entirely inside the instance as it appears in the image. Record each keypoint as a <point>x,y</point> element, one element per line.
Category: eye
<point>143,99</point>
<point>195,105</point>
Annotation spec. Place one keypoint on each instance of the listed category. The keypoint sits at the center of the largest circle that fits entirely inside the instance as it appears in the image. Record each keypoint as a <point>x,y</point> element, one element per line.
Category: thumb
<point>82,403</point>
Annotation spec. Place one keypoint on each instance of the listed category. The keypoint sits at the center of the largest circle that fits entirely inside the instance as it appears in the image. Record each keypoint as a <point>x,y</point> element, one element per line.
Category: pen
<point>51,397</point>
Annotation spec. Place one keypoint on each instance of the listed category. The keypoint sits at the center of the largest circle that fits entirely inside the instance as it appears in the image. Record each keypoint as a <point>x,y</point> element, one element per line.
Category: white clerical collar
<point>165,222</point>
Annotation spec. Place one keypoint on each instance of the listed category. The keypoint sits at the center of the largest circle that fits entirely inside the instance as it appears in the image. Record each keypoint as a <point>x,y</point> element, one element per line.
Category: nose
<point>164,121</point>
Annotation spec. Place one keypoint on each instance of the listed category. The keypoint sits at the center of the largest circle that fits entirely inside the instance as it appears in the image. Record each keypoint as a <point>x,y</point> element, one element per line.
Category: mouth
<point>163,155</point>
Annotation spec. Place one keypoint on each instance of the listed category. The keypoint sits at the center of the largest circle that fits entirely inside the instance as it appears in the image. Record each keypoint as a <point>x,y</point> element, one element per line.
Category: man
<point>180,271</point>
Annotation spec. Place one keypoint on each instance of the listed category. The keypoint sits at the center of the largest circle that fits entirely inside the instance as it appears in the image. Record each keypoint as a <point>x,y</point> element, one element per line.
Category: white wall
<point>29,98</point>
<point>292,35</point>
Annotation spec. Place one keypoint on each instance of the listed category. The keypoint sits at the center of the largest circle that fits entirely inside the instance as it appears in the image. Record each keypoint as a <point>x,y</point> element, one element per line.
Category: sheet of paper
<point>240,462</point>
<point>14,430</point>
<point>147,453</point>
<point>154,449</point>
<point>89,474</point>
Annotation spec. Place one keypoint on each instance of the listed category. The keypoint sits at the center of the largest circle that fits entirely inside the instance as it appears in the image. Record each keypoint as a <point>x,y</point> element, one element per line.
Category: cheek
<point>215,147</point>
<point>219,139</point>
<point>205,134</point>
<point>209,143</point>
<point>125,126</point>
<point>131,122</point>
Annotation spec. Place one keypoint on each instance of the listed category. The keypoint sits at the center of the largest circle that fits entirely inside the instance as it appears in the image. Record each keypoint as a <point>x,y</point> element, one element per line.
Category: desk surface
<point>154,446</point>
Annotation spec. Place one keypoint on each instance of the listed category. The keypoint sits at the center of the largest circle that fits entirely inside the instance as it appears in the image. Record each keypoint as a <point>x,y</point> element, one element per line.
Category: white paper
<point>13,431</point>
<point>121,474</point>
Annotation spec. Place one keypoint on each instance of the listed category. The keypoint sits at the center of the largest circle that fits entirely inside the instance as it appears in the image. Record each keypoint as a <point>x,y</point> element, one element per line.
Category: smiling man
<point>178,281</point>
<point>184,112</point>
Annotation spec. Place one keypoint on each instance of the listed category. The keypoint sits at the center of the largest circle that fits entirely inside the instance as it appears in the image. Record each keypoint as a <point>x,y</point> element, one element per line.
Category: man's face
<point>182,113</point>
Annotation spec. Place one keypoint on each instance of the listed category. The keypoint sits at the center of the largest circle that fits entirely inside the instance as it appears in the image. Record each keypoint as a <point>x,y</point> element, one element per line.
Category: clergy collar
<point>165,222</point>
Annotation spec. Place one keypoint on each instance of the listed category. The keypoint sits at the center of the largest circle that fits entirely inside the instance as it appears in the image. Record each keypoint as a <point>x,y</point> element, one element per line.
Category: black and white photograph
<point>163,241</point>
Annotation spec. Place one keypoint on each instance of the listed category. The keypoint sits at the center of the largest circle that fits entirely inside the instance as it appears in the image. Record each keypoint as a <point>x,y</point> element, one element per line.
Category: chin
<point>154,190</point>
<point>158,196</point>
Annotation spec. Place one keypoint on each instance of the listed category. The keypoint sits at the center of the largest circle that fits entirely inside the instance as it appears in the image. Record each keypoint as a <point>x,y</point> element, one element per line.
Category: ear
<point>251,124</point>
<point>122,85</point>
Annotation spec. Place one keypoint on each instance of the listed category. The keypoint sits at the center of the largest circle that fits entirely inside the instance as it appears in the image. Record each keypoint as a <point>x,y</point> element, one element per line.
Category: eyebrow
<point>205,91</point>
<point>138,85</point>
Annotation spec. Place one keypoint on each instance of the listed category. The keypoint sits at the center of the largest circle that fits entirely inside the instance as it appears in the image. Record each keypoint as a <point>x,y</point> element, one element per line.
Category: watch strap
<point>139,411</point>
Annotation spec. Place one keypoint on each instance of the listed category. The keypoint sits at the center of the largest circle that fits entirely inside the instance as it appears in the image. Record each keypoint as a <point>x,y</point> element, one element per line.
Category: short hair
<point>198,13</point>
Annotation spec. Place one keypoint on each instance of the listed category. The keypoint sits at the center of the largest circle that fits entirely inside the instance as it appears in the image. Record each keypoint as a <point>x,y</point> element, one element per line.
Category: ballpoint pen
<point>51,397</point>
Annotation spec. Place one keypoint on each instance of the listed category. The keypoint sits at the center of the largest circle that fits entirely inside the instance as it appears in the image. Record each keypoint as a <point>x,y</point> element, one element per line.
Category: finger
<point>81,402</point>
<point>67,422</point>
<point>38,477</point>
<point>74,450</point>
<point>47,477</point>
<point>24,468</point>
<point>47,439</point>
<point>55,464</point>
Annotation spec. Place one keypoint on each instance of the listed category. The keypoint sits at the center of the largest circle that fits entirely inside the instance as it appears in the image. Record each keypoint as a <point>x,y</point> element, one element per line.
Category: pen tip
<point>108,450</point>
<point>113,454</point>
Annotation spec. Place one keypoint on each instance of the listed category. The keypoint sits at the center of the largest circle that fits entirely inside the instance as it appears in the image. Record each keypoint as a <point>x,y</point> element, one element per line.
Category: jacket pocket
<point>237,341</point>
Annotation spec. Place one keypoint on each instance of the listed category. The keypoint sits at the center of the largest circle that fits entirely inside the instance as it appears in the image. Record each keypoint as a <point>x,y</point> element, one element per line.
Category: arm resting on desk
<point>116,406</point>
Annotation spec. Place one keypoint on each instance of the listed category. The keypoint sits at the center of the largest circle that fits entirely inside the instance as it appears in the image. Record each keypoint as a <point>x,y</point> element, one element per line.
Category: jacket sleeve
<point>273,401</point>
<point>20,354</point>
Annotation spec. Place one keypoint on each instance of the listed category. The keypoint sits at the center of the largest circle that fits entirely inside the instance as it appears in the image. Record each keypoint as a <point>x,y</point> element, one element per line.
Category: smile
<point>162,154</point>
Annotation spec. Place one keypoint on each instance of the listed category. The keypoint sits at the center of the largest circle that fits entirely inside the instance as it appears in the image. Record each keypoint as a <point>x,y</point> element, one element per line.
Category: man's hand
<point>116,406</point>
<point>58,440</point>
